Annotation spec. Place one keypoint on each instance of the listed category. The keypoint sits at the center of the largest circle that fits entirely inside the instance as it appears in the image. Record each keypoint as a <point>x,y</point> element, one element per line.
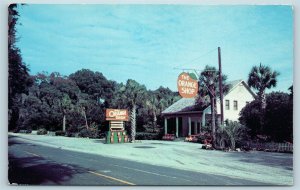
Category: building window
<point>227,106</point>
<point>235,105</point>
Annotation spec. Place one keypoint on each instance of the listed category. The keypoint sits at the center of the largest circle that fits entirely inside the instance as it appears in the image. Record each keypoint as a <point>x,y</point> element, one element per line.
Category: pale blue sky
<point>145,42</point>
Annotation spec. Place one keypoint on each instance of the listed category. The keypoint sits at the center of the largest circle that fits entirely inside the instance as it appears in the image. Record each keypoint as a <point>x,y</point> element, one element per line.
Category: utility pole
<point>221,86</point>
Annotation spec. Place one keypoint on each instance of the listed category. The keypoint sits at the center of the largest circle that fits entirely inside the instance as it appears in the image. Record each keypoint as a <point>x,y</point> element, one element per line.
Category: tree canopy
<point>18,77</point>
<point>277,117</point>
<point>261,78</point>
<point>77,102</point>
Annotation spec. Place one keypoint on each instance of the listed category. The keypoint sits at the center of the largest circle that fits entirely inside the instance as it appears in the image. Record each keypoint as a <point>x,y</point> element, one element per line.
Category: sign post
<point>116,118</point>
<point>116,115</point>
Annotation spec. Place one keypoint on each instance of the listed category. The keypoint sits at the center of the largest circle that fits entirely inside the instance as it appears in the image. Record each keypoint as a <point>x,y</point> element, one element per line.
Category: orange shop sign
<point>116,114</point>
<point>187,85</point>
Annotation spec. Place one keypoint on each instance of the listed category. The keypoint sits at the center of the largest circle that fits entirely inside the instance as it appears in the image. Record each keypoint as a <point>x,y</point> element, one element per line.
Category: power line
<point>204,54</point>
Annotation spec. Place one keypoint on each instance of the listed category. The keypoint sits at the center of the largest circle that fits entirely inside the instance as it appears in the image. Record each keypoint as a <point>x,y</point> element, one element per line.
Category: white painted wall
<point>241,94</point>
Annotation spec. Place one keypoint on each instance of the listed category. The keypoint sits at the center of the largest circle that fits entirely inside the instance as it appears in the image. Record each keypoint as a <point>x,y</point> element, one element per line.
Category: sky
<point>153,44</point>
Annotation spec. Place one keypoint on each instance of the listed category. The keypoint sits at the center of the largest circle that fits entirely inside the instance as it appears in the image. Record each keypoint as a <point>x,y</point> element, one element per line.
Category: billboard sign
<point>116,115</point>
<point>187,85</point>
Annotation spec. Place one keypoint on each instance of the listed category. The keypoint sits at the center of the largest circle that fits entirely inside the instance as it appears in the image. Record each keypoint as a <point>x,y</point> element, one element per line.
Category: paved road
<point>35,164</point>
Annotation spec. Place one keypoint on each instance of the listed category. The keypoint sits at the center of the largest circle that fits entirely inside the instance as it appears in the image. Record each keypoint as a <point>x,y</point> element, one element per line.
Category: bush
<point>42,131</point>
<point>25,131</point>
<point>60,133</point>
<point>276,121</point>
<point>90,133</point>
<point>147,136</point>
<point>232,134</point>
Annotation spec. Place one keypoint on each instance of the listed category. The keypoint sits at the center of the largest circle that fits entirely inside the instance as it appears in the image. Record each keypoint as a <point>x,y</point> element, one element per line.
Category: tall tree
<point>133,93</point>
<point>157,101</point>
<point>94,84</point>
<point>261,78</point>
<point>153,106</point>
<point>277,117</point>
<point>209,83</point>
<point>18,77</point>
<point>278,120</point>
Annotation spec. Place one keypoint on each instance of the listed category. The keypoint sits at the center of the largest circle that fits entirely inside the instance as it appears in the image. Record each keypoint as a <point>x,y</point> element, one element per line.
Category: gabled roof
<point>235,83</point>
<point>188,104</point>
<point>182,105</point>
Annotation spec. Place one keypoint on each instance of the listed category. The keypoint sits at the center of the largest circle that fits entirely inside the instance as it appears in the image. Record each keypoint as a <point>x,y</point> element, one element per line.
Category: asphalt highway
<point>32,164</point>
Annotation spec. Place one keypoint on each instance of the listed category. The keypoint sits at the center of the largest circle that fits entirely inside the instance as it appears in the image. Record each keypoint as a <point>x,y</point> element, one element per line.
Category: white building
<point>185,118</point>
<point>234,101</point>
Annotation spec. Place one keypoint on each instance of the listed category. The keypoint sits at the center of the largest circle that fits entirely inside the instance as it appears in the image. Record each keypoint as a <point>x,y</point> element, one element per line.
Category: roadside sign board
<point>116,115</point>
<point>187,85</point>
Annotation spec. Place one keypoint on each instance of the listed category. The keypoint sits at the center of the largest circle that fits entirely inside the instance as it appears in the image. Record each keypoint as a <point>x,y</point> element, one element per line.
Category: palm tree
<point>156,103</point>
<point>208,85</point>
<point>65,105</point>
<point>152,104</point>
<point>231,133</point>
<point>133,93</point>
<point>262,78</point>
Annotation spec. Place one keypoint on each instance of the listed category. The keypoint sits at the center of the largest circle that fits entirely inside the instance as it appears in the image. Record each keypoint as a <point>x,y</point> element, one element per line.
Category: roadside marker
<point>112,178</point>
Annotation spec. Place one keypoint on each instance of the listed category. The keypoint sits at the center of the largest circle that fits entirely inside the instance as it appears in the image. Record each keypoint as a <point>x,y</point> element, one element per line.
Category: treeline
<point>275,123</point>
<point>78,101</point>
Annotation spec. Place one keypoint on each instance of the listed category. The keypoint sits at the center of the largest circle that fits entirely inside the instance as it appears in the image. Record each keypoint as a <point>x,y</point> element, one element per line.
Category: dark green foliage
<point>261,78</point>
<point>231,134</point>
<point>54,99</point>
<point>94,84</point>
<point>277,117</point>
<point>209,87</point>
<point>60,133</point>
<point>250,116</point>
<point>42,131</point>
<point>90,133</point>
<point>18,77</point>
<point>148,136</point>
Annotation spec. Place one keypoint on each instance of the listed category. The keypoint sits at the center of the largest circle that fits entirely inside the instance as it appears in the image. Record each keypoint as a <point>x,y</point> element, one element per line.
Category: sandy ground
<point>274,168</point>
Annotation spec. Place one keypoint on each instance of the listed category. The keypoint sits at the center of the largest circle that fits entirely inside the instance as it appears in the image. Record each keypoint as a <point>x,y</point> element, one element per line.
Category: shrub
<point>91,133</point>
<point>25,131</point>
<point>231,134</point>
<point>42,131</point>
<point>60,133</point>
<point>146,136</point>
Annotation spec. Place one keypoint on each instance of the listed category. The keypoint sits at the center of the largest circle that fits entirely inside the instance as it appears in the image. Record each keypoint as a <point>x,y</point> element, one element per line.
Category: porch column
<point>166,125</point>
<point>196,127</point>
<point>200,126</point>
<point>190,125</point>
<point>176,126</point>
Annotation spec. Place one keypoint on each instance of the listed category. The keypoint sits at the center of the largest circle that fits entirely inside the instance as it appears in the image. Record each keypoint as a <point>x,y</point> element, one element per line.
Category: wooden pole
<point>221,86</point>
<point>176,127</point>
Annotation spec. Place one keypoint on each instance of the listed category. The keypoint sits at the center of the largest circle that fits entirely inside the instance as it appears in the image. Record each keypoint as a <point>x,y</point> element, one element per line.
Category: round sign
<point>187,85</point>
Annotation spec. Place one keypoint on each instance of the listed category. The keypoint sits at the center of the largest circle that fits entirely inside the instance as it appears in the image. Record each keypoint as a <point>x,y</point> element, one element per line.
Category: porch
<point>183,124</point>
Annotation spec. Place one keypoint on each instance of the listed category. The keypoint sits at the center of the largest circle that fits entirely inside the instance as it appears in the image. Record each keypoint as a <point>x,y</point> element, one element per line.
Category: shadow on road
<point>36,170</point>
<point>13,141</point>
<point>279,160</point>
